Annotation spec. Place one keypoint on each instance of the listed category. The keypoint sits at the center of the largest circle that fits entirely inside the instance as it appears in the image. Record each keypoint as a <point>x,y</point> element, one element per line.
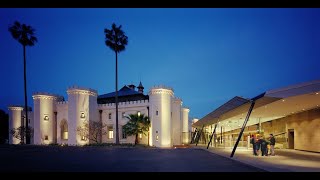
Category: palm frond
<point>23,33</point>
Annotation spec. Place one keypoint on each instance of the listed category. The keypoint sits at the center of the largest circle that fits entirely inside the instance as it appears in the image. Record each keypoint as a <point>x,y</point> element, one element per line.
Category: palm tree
<point>137,124</point>
<point>24,34</point>
<point>116,40</point>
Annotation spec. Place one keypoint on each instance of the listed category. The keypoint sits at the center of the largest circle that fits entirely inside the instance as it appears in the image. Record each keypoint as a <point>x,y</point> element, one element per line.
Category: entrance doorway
<point>291,138</point>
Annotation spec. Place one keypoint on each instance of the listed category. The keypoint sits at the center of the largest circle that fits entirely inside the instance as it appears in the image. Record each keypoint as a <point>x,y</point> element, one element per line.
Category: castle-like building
<point>56,121</point>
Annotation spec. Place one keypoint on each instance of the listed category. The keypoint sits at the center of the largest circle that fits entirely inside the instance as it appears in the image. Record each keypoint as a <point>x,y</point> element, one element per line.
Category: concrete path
<point>285,160</point>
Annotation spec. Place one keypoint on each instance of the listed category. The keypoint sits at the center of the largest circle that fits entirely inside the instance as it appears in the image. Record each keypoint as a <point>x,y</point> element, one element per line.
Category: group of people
<point>261,144</point>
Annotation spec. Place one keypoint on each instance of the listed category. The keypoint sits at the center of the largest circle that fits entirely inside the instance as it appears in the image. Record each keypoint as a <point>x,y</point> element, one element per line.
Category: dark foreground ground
<point>113,159</point>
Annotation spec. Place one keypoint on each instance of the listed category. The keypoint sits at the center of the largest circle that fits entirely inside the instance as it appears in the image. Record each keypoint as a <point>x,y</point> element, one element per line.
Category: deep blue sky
<point>207,56</point>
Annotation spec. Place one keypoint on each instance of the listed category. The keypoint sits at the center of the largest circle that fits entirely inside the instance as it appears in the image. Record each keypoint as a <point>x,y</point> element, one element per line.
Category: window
<point>171,114</point>
<point>110,132</point>
<point>123,114</point>
<point>138,113</point>
<point>82,115</point>
<point>46,137</point>
<point>157,137</point>
<point>83,138</point>
<point>46,117</point>
<point>140,136</point>
<point>109,115</point>
<point>29,121</point>
<point>157,113</point>
<point>64,130</point>
<point>124,135</point>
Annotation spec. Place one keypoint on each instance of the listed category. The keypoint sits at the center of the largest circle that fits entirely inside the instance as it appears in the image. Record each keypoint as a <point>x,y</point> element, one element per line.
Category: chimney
<point>131,86</point>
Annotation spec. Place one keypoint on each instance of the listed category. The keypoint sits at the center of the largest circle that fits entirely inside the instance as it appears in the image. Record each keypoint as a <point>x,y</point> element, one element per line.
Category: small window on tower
<point>109,115</point>
<point>138,113</point>
<point>157,113</point>
<point>46,137</point>
<point>123,114</point>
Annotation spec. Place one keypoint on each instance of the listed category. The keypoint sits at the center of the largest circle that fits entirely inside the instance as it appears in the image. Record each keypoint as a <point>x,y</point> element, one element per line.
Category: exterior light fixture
<point>317,93</point>
<point>82,115</point>
<point>46,118</point>
<point>283,100</point>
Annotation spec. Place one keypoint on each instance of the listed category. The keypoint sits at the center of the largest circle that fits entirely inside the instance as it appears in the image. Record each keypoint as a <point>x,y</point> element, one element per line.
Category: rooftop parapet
<point>82,90</point>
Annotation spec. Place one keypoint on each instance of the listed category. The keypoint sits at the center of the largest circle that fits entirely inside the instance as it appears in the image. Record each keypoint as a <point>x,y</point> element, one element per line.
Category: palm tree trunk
<point>136,140</point>
<point>25,96</point>
<point>117,126</point>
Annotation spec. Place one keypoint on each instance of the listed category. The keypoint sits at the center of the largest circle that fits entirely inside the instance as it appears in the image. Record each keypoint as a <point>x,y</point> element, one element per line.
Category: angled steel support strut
<point>214,131</point>
<point>242,129</point>
<point>193,136</point>
<point>199,135</point>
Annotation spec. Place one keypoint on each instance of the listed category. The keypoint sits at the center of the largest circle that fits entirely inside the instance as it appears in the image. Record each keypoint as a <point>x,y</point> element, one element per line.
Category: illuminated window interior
<point>83,138</point>
<point>109,115</point>
<point>140,136</point>
<point>64,130</point>
<point>139,113</point>
<point>110,132</point>
<point>46,118</point>
<point>157,137</point>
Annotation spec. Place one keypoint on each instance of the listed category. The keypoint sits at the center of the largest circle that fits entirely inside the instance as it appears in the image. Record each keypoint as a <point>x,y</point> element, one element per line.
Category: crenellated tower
<point>15,121</point>
<point>160,116</point>
<point>176,121</point>
<point>185,125</point>
<point>82,106</point>
<point>45,121</point>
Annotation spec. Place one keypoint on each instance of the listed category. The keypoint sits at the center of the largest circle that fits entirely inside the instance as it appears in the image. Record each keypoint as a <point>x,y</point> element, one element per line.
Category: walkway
<point>286,160</point>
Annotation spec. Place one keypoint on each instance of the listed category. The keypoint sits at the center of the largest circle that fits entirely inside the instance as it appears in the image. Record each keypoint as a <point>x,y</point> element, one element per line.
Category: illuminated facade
<point>55,120</point>
<point>291,114</point>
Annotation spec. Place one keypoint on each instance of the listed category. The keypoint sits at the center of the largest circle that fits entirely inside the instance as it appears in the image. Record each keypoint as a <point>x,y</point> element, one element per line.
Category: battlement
<point>46,95</point>
<point>161,89</point>
<point>82,90</point>
<point>15,108</point>
<point>177,99</point>
<point>186,108</point>
<point>62,102</point>
<point>127,103</point>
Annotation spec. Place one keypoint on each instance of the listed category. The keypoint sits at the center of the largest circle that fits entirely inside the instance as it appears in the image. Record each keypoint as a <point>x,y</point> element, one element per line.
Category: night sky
<point>207,56</point>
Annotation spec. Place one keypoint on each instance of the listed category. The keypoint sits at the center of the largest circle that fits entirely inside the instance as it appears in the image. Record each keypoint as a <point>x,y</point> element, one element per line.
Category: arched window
<point>64,130</point>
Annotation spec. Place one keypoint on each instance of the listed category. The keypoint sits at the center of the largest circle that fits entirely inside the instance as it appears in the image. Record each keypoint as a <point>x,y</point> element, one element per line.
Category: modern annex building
<point>291,114</point>
<point>55,120</point>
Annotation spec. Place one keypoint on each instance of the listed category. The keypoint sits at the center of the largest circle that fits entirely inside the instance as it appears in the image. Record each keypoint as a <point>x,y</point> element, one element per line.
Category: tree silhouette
<point>116,40</point>
<point>24,34</point>
<point>137,124</point>
<point>92,130</point>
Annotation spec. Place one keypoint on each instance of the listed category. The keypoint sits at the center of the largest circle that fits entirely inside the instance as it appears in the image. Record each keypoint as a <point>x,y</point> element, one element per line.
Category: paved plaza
<point>17,158</point>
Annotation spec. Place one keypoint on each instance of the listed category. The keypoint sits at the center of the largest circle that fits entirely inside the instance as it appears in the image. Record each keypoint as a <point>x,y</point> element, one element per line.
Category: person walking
<point>253,142</point>
<point>263,144</point>
<point>272,143</point>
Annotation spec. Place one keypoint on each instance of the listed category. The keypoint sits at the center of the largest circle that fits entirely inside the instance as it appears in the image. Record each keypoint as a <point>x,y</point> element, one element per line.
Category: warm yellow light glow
<point>140,136</point>
<point>139,113</point>
<point>65,135</point>
<point>46,118</point>
<point>317,93</point>
<point>110,134</point>
<point>157,137</point>
<point>283,100</point>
